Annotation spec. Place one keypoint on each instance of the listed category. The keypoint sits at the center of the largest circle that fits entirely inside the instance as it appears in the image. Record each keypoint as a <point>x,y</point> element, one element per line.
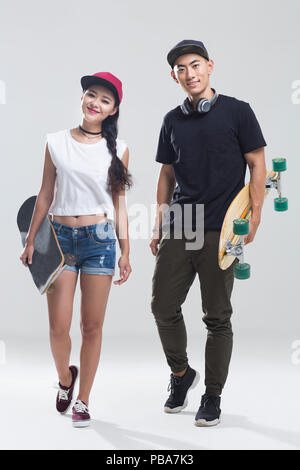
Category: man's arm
<point>257,167</point>
<point>165,189</point>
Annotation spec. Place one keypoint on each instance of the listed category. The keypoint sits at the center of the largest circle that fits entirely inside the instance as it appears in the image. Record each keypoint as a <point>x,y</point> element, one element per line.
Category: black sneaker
<point>209,411</point>
<point>179,387</point>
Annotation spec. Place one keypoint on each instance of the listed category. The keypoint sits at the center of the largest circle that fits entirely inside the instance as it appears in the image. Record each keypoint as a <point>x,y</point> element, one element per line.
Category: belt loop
<point>87,230</point>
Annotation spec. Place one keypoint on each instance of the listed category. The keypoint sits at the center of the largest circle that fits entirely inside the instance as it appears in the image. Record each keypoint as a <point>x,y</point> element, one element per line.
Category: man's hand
<point>257,167</point>
<point>155,240</point>
<point>253,226</point>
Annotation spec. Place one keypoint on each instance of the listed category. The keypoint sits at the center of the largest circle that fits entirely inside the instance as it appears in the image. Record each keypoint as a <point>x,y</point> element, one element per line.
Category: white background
<point>44,50</point>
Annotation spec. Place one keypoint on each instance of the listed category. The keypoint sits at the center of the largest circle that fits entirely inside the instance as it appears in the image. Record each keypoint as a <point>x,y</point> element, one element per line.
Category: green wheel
<point>281,205</point>
<point>279,164</point>
<point>242,271</point>
<point>240,227</point>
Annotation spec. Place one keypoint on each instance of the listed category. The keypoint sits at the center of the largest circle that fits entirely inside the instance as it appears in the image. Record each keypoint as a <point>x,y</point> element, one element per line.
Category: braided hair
<point>118,175</point>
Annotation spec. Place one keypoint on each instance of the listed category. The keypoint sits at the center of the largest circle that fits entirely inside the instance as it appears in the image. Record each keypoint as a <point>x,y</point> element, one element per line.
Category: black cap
<point>187,46</point>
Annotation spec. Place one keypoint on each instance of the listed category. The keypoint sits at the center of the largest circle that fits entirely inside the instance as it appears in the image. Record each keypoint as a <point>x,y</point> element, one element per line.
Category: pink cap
<point>106,79</point>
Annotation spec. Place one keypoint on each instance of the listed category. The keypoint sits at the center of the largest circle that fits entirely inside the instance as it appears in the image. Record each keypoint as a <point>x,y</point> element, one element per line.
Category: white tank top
<point>81,175</point>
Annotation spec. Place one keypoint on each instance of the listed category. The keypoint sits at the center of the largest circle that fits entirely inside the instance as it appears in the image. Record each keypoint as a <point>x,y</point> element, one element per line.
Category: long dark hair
<point>119,177</point>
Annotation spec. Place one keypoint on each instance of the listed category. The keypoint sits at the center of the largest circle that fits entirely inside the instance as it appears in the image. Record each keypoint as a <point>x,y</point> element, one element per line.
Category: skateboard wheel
<point>281,205</point>
<point>240,227</point>
<point>279,164</point>
<point>242,271</point>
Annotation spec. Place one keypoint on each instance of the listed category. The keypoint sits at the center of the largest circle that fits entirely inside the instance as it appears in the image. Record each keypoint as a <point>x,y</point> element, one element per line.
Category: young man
<point>204,147</point>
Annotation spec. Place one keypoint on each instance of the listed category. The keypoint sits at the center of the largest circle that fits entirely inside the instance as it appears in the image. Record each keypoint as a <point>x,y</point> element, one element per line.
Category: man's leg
<point>216,287</point>
<point>172,278</point>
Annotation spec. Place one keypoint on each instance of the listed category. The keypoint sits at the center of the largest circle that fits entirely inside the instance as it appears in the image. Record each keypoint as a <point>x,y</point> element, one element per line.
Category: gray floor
<point>260,402</point>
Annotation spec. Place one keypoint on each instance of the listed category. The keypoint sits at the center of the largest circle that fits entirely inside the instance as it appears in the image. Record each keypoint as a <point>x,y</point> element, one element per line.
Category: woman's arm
<point>42,204</point>
<point>44,198</point>
<point>121,225</point>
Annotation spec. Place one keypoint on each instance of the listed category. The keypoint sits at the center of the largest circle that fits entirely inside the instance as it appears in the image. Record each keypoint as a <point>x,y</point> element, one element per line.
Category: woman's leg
<point>60,307</point>
<point>94,295</point>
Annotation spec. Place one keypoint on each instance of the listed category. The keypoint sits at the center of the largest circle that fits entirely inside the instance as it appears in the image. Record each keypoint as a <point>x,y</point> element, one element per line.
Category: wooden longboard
<point>48,260</point>
<point>240,208</point>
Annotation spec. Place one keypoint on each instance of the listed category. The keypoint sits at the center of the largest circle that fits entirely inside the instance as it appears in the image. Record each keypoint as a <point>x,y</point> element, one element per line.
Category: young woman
<point>88,165</point>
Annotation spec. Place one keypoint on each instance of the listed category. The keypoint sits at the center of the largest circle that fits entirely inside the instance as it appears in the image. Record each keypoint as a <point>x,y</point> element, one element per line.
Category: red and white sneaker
<point>80,415</point>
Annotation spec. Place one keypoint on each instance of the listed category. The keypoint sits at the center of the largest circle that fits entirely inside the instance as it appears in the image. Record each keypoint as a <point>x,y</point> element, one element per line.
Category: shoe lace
<point>172,384</point>
<point>80,407</point>
<point>62,393</point>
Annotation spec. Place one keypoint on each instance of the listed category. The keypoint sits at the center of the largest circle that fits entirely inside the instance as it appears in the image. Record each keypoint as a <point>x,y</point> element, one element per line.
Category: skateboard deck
<point>48,260</point>
<point>240,208</point>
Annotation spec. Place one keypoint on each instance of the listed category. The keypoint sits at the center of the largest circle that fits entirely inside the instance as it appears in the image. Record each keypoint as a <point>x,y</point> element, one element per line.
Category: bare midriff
<point>80,220</point>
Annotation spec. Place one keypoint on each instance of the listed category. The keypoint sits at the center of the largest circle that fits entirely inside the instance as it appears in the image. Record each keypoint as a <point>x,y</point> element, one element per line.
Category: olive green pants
<point>175,271</point>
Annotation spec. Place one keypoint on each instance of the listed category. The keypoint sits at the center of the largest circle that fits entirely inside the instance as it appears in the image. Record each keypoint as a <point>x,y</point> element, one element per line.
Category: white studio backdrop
<point>45,50</point>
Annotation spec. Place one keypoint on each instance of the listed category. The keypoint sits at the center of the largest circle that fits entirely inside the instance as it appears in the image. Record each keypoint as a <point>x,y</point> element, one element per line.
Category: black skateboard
<point>48,260</point>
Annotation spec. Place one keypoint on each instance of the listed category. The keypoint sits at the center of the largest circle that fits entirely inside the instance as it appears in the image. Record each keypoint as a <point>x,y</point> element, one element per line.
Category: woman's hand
<point>27,253</point>
<point>125,269</point>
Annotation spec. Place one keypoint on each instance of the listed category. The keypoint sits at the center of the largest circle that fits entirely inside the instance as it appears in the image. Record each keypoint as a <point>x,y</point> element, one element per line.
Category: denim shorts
<point>94,246</point>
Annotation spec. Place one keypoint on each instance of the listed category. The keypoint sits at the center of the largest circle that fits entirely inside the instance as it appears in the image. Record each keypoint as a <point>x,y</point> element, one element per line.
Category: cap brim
<point>89,80</point>
<point>186,49</point>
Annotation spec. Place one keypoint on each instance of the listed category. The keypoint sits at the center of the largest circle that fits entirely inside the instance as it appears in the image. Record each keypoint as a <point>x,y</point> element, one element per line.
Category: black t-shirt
<point>207,153</point>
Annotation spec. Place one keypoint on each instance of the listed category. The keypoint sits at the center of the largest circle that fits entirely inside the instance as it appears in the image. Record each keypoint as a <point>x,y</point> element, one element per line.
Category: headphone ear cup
<point>203,106</point>
<point>186,107</point>
<point>206,105</point>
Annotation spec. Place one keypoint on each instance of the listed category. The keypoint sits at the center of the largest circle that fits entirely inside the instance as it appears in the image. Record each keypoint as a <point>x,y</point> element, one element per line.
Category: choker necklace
<point>88,132</point>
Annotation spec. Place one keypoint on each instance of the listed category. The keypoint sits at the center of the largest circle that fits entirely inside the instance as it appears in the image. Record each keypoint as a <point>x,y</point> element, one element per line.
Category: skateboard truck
<point>70,260</point>
<point>280,203</point>
<point>241,226</point>
<point>240,229</point>
<point>235,250</point>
